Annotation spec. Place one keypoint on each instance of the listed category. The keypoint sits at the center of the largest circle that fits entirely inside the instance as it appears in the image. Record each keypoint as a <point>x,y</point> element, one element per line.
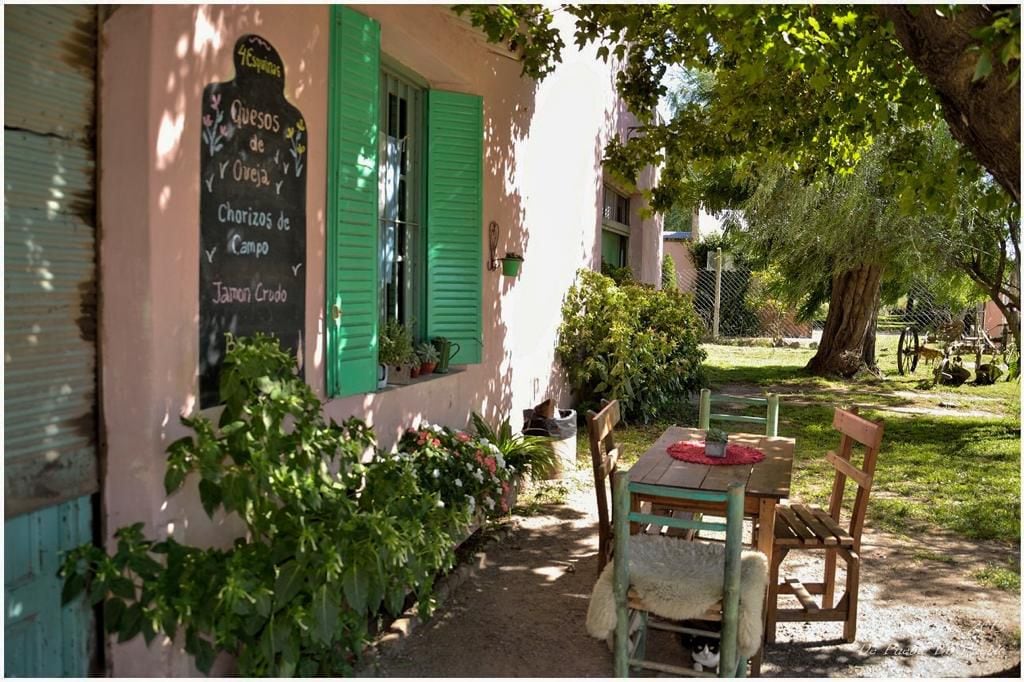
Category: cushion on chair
<point>681,580</point>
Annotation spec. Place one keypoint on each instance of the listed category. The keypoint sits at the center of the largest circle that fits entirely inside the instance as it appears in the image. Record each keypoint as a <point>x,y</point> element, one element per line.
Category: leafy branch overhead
<point>811,86</point>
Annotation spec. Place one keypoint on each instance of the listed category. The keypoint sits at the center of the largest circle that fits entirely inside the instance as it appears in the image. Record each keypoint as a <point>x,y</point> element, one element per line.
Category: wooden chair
<point>807,527</point>
<point>605,456</point>
<point>770,421</point>
<point>633,617</point>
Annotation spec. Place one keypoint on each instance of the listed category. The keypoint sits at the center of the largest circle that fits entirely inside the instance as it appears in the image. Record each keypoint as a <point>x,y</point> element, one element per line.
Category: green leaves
<point>326,536</point>
<point>355,583</point>
<point>289,581</point>
<point>325,614</point>
<point>630,343</point>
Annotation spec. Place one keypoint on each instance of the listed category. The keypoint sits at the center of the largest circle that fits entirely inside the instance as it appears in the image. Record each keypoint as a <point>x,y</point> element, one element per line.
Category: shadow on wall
<point>485,388</point>
<point>202,53</point>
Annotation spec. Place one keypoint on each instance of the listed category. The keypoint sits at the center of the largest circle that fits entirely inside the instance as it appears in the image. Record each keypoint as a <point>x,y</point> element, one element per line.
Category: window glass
<point>616,207</point>
<point>400,186</point>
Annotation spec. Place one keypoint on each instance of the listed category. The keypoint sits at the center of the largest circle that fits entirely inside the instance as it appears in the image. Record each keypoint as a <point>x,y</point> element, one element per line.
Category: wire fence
<point>738,302</point>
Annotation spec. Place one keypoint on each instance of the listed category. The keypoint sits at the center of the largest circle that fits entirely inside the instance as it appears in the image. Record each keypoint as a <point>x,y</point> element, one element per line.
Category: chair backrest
<point>854,429</point>
<point>604,455</point>
<point>770,421</point>
<point>733,527</point>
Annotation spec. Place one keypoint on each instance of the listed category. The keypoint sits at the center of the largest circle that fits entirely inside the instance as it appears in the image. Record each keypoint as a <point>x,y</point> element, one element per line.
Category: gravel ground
<point>521,612</point>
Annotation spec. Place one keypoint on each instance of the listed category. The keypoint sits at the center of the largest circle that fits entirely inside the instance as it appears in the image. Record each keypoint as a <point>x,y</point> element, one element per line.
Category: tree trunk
<point>869,336</point>
<point>984,115</point>
<point>851,309</point>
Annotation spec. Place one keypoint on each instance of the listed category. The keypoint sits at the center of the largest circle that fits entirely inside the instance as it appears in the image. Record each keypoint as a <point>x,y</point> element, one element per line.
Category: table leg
<point>765,542</point>
<point>634,506</point>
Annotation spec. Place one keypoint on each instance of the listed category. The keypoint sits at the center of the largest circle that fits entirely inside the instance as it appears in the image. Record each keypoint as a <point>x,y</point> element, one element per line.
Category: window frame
<point>415,290</point>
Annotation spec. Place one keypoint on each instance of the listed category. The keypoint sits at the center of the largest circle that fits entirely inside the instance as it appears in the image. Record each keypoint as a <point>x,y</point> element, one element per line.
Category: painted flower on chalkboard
<point>298,149</point>
<point>213,132</point>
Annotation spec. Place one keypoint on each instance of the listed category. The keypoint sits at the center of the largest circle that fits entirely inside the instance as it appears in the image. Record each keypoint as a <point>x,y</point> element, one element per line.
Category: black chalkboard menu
<point>252,211</point>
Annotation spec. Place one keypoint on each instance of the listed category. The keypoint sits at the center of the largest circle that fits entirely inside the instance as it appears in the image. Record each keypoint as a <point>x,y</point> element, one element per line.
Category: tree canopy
<point>810,86</point>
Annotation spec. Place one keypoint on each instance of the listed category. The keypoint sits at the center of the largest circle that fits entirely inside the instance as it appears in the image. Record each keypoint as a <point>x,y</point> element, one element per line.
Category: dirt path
<point>522,612</point>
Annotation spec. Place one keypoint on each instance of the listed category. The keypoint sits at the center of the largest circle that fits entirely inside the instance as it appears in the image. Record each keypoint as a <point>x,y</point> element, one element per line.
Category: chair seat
<point>678,579</point>
<point>799,525</point>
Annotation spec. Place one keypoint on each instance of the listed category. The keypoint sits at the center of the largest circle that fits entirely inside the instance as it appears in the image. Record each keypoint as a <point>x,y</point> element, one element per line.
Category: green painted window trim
<point>455,222</point>
<point>452,215</point>
<point>352,186</point>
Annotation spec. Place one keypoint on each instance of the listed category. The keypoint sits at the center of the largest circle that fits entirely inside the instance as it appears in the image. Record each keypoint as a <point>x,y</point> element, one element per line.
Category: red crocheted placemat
<point>693,451</point>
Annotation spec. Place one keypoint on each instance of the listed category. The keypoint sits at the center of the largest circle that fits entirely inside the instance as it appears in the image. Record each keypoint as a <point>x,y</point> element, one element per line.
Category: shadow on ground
<point>523,612</point>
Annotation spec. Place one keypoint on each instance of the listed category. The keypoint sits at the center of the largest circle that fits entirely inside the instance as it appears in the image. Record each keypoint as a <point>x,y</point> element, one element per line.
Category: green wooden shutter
<point>454,221</point>
<point>352,309</point>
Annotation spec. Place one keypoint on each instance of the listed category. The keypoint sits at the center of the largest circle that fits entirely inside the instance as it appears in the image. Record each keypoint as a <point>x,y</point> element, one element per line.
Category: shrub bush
<point>329,541</point>
<point>631,343</point>
<point>668,273</point>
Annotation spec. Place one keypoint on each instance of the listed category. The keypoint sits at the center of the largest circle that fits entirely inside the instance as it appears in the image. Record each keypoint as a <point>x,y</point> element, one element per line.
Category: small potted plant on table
<point>714,443</point>
<point>428,356</point>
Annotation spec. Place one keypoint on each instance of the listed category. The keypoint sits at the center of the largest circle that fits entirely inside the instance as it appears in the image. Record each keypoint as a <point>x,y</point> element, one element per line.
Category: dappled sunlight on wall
<point>157,60</point>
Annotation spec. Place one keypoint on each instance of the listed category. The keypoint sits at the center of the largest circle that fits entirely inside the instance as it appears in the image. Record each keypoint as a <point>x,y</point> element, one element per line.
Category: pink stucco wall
<point>686,270</point>
<point>543,152</point>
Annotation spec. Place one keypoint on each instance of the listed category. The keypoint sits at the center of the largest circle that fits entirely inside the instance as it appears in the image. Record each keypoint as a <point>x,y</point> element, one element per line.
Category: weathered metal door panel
<point>50,470</point>
<point>40,638</point>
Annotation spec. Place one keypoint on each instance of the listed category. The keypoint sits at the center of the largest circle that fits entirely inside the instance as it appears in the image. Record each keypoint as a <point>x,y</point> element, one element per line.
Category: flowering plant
<point>465,470</point>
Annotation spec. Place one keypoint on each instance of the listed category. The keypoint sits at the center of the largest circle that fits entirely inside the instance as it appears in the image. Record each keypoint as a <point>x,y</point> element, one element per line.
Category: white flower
<point>472,503</point>
<point>494,449</point>
<point>440,503</point>
<point>489,502</point>
<point>435,473</point>
<point>436,428</point>
<point>484,441</point>
<point>512,470</point>
<point>458,483</point>
<point>478,475</point>
<point>498,458</point>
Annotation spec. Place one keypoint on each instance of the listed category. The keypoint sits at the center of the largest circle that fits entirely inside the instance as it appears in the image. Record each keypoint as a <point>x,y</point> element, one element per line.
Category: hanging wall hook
<point>492,233</point>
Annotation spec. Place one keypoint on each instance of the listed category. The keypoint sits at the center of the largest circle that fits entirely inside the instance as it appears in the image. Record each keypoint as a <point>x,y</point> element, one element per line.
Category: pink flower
<point>491,464</point>
<point>215,102</point>
<point>462,436</point>
<point>207,120</point>
<point>224,130</point>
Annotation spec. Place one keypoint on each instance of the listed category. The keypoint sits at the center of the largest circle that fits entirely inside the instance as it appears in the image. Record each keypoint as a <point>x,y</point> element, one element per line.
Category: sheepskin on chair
<point>680,580</point>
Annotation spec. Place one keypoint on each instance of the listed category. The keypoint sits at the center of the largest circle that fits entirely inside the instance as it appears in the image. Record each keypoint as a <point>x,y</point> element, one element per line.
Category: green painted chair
<point>770,421</point>
<point>633,615</point>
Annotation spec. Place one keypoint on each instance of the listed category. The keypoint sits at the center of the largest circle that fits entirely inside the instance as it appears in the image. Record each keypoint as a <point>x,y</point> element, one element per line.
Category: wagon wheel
<point>907,352</point>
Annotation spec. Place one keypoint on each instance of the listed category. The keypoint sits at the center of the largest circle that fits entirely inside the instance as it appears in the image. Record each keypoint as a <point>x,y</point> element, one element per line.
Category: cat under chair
<point>704,649</point>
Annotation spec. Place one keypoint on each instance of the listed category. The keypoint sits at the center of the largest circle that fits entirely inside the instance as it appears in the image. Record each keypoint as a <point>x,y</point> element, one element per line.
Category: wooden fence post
<point>718,293</point>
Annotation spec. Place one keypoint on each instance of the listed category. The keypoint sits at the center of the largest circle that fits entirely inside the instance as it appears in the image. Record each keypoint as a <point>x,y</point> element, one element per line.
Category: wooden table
<point>766,482</point>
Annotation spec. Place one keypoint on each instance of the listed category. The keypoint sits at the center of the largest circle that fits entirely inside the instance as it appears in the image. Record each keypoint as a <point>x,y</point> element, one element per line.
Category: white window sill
<point>423,379</point>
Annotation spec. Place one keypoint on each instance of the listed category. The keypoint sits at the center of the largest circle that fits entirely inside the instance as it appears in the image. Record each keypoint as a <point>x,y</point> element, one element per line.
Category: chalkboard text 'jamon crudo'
<point>248,294</point>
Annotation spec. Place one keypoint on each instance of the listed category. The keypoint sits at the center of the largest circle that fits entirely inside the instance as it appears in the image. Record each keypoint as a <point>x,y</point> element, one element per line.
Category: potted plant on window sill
<point>428,356</point>
<point>715,442</point>
<point>511,264</point>
<point>395,353</point>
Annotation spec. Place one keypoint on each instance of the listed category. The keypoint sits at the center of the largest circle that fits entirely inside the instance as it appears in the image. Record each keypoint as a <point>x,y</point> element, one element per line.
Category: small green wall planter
<point>510,266</point>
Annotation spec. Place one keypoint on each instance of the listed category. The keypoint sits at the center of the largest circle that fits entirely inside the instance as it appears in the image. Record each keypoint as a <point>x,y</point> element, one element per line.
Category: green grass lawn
<point>951,471</point>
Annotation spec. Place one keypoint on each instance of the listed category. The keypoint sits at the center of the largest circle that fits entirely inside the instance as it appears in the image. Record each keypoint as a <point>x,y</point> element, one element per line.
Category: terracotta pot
<point>414,371</point>
<point>427,367</point>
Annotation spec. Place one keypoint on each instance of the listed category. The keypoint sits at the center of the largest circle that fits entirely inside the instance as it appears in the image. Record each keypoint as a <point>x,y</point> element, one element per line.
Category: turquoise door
<point>41,639</point>
<point>50,426</point>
